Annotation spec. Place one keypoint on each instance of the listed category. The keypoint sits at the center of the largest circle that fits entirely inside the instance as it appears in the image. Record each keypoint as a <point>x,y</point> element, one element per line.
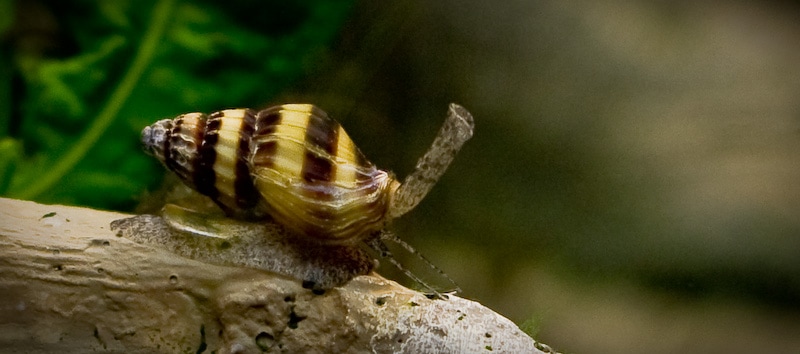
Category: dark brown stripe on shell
<point>246,193</point>
<point>321,133</point>
<point>264,154</point>
<point>316,168</point>
<point>204,175</point>
<point>266,124</point>
<point>267,121</point>
<point>175,154</point>
<point>167,154</point>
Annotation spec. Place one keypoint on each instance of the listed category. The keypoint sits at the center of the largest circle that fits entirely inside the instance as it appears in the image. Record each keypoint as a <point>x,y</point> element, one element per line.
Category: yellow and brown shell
<point>291,162</point>
<point>296,165</point>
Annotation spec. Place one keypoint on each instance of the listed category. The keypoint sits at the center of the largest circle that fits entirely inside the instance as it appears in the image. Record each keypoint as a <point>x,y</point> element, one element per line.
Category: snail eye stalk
<point>455,131</point>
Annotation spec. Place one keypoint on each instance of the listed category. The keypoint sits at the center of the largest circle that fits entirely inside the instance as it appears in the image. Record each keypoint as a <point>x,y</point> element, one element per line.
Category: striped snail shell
<point>298,166</point>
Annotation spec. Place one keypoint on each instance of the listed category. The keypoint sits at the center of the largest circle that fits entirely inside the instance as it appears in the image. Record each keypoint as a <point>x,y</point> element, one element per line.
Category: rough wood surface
<point>69,285</point>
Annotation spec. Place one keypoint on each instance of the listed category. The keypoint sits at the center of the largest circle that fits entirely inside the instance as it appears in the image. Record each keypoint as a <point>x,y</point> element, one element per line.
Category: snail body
<point>294,164</point>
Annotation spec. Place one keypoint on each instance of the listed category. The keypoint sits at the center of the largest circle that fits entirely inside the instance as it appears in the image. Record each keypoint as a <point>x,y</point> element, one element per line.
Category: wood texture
<point>69,285</point>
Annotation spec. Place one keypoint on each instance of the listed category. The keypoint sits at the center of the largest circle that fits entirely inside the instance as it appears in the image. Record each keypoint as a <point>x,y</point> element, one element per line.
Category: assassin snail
<point>296,165</point>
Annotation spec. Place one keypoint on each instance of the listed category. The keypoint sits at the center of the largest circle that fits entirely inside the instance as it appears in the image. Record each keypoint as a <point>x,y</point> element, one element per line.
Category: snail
<point>296,166</point>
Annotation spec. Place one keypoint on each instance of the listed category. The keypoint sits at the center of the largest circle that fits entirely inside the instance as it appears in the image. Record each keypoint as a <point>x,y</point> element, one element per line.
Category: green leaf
<point>10,157</point>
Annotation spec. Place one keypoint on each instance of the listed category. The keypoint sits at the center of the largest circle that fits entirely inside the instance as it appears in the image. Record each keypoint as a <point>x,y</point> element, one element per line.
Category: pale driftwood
<point>69,285</point>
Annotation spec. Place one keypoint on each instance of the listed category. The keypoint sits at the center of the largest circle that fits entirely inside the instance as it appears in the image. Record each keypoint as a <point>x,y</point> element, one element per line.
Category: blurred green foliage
<point>80,79</point>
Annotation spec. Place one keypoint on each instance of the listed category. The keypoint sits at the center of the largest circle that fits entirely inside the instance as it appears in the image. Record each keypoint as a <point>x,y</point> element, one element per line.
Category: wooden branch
<point>69,285</point>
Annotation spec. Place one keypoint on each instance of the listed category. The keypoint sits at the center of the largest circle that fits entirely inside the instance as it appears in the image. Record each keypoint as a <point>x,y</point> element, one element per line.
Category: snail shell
<point>291,162</point>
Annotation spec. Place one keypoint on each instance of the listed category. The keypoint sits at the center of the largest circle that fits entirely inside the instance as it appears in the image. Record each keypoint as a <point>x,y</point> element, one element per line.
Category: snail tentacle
<point>455,131</point>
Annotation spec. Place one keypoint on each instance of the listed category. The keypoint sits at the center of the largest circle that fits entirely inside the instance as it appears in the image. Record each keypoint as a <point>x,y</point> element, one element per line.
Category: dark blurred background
<point>634,180</point>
